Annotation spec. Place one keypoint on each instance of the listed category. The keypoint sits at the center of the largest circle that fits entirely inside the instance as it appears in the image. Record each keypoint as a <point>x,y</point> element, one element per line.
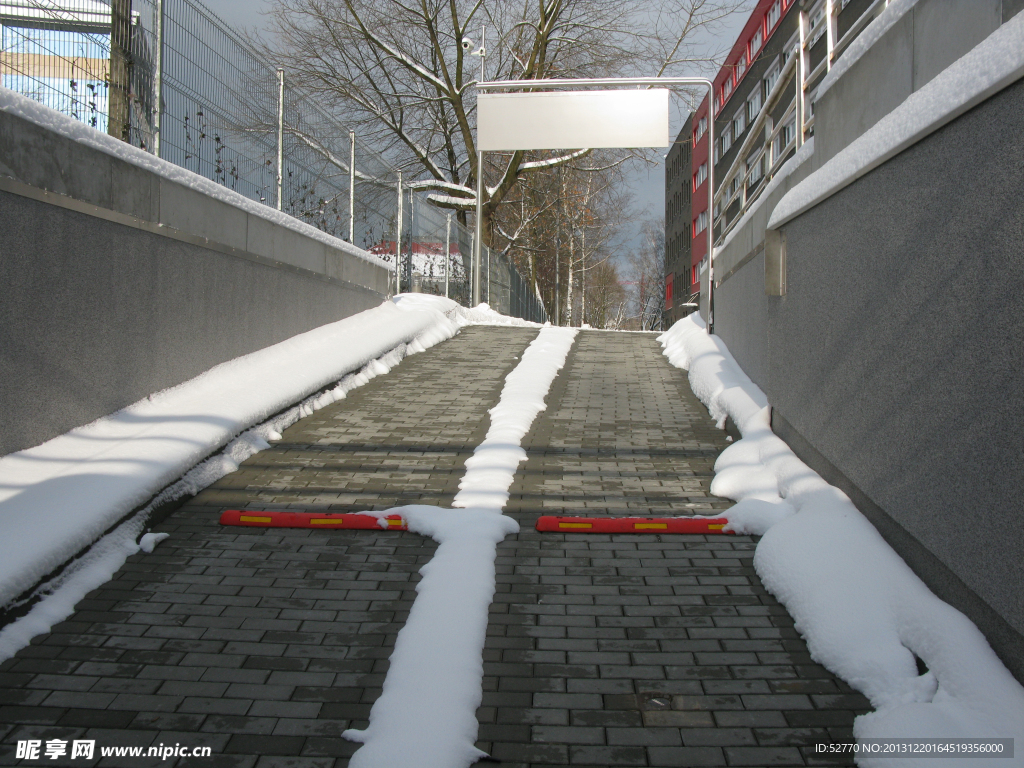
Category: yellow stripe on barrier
<point>249,519</point>
<point>716,527</point>
<point>326,521</point>
<point>575,525</point>
<point>651,526</point>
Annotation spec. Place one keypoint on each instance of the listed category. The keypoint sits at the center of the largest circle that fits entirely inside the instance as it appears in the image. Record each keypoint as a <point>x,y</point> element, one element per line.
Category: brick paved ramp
<point>265,644</point>
<point>604,650</point>
<point>640,650</point>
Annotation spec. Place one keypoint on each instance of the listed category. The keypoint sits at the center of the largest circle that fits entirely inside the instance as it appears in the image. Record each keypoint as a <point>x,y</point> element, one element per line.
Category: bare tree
<point>607,297</point>
<point>398,72</point>
<point>647,276</point>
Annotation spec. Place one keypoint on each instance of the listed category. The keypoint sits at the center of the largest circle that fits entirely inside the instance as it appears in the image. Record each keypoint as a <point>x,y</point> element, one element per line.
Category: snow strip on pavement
<point>434,683</point>
<point>864,613</point>
<point>57,498</point>
<point>489,471</point>
<point>990,66</point>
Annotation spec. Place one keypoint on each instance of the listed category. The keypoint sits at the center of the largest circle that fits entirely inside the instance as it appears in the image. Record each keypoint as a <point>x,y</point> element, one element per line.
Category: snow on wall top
<point>34,112</point>
<point>990,66</point>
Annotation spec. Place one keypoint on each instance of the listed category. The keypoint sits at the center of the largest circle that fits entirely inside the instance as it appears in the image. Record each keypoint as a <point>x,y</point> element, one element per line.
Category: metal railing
<point>172,78</point>
<point>770,143</point>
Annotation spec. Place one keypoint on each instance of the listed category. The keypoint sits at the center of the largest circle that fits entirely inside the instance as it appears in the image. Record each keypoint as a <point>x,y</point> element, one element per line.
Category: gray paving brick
<point>271,642</point>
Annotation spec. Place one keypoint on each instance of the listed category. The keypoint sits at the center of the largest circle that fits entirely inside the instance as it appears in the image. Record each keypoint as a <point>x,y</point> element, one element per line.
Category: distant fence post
<point>398,239</point>
<point>447,252</point>
<point>352,187</point>
<point>280,136</point>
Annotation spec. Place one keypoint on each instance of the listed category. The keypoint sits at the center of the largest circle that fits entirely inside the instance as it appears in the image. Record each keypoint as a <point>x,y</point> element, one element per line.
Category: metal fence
<point>227,114</point>
<point>437,255</point>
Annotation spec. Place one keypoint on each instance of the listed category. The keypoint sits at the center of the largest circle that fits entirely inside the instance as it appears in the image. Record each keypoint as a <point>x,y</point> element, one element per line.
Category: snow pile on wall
<point>481,314</point>
<point>864,614</point>
<point>434,683</point>
<point>31,110</point>
<point>59,497</point>
<point>992,65</point>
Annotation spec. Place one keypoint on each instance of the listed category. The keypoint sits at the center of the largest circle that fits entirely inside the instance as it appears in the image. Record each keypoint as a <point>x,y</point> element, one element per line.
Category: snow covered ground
<point>435,678</point>
<point>864,614</point>
<point>69,497</point>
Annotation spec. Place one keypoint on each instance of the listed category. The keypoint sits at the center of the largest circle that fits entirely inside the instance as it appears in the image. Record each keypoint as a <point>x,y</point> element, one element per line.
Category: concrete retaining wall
<point>119,282</point>
<point>893,360</point>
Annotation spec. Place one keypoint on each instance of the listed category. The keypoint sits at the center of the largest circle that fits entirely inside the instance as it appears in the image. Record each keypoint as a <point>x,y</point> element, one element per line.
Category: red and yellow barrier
<point>550,523</point>
<point>318,520</point>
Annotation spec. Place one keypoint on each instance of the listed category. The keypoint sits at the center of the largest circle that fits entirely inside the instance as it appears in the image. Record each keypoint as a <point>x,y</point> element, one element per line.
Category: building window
<point>754,105</point>
<point>700,176</point>
<point>755,170</point>
<point>700,223</point>
<point>734,187</point>
<point>702,128</point>
<point>738,124</point>
<point>693,270</point>
<point>741,66</point>
<point>755,43</point>
<point>774,14</point>
<point>816,19</point>
<point>783,139</point>
<point>726,141</point>
<point>726,90</point>
<point>771,78</point>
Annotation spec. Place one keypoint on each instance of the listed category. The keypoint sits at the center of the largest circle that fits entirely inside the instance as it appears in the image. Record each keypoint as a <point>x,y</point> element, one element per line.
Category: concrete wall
<point>923,42</point>
<point>898,349</point>
<point>893,360</point>
<point>119,282</point>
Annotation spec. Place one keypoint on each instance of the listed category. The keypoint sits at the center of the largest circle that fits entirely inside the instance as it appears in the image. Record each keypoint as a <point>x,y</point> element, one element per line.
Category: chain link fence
<point>170,77</point>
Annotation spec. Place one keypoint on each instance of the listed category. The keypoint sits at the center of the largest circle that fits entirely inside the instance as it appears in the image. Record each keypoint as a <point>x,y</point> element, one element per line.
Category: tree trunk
<point>119,111</point>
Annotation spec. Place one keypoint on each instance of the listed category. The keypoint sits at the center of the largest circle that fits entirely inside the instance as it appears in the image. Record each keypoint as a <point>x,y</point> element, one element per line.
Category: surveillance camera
<point>467,44</point>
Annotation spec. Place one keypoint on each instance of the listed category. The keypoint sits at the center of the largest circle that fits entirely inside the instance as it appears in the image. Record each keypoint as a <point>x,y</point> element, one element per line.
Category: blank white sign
<point>572,120</point>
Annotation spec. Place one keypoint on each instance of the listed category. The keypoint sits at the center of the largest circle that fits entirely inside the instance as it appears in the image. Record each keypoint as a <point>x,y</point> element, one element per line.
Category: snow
<point>489,471</point>
<point>990,66</point>
<point>434,683</point>
<point>481,314</point>
<point>59,497</point>
<point>64,592</point>
<point>28,109</point>
<point>865,41</point>
<point>864,614</point>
